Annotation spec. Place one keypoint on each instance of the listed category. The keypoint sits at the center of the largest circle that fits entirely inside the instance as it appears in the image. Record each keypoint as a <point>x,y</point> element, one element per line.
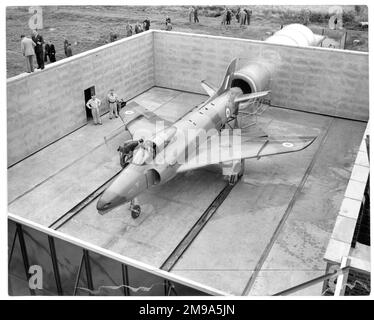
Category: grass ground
<point>88,27</point>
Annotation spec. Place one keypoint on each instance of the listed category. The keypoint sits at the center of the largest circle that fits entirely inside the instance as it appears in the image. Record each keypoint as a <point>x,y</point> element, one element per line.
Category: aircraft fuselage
<point>179,141</point>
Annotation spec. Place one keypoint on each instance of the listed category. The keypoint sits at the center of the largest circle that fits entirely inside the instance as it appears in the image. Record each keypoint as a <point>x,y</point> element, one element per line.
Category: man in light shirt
<point>112,101</point>
<point>27,47</point>
<point>94,104</point>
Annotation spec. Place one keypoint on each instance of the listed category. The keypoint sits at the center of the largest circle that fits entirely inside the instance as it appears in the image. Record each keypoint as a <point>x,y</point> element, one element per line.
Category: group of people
<point>43,51</point>
<point>138,27</point>
<point>194,13</point>
<point>115,104</point>
<point>243,16</point>
<point>35,46</point>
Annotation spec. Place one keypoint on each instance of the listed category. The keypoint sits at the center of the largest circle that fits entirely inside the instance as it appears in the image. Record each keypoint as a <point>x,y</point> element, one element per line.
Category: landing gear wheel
<point>135,211</point>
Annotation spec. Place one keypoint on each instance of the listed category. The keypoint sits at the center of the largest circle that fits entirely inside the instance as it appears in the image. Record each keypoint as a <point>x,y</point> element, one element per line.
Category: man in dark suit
<point>46,52</point>
<point>38,39</point>
<point>52,52</point>
<point>146,24</point>
<point>69,51</point>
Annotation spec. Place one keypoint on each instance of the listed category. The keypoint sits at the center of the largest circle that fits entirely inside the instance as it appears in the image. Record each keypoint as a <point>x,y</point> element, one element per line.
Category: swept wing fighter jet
<point>196,140</point>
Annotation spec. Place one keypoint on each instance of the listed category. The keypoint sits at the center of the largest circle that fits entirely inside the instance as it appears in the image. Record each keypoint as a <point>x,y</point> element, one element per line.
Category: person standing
<point>249,14</point>
<point>52,52</point>
<point>237,14</point>
<point>69,51</point>
<point>224,16</point>
<point>46,52</point>
<point>66,42</point>
<point>94,104</point>
<point>196,14</point>
<point>228,16</point>
<point>38,39</point>
<point>27,48</point>
<point>191,13</point>
<point>146,24</point>
<point>112,101</point>
<point>140,27</point>
<point>128,30</point>
<point>242,16</point>
<point>137,30</point>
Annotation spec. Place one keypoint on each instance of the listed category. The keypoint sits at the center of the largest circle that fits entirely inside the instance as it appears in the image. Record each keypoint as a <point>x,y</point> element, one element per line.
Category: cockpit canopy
<point>144,153</point>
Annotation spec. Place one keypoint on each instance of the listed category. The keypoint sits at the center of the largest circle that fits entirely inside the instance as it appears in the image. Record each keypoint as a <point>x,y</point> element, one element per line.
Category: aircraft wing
<point>223,149</point>
<point>141,122</point>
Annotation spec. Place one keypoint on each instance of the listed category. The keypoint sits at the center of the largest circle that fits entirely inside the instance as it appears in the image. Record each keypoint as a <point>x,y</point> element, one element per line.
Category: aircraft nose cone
<point>109,200</point>
<point>102,205</point>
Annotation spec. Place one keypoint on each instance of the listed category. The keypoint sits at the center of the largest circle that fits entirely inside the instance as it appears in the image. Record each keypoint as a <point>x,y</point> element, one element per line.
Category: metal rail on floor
<point>81,205</point>
<point>195,230</point>
<point>286,214</point>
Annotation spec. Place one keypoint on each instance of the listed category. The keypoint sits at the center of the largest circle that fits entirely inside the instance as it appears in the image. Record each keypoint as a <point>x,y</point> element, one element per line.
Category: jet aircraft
<point>185,145</point>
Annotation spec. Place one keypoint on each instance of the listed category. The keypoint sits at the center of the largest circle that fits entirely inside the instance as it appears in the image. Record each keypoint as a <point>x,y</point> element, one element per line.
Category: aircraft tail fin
<point>227,80</point>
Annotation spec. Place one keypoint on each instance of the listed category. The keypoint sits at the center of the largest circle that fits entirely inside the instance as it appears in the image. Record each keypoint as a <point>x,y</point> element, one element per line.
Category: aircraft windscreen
<point>143,154</point>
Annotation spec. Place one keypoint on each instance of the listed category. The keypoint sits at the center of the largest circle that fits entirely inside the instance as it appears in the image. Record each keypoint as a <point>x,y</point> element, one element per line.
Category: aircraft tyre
<point>135,211</point>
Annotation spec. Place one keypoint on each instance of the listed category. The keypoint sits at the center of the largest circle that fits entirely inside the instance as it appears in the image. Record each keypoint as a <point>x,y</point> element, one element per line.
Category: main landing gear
<point>237,171</point>
<point>135,209</point>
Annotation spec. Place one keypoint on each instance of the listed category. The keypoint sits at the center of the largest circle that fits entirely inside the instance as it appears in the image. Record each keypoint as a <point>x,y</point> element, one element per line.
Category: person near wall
<point>52,52</point>
<point>237,14</point>
<point>66,42</point>
<point>190,13</point>
<point>140,26</point>
<point>169,27</point>
<point>112,101</point>
<point>137,29</point>
<point>94,104</point>
<point>46,52</point>
<point>229,15</point>
<point>27,48</point>
<point>146,24</point>
<point>120,104</point>
<point>128,30</point>
<point>248,17</point>
<point>196,15</point>
<point>167,20</point>
<point>38,39</point>
<point>224,16</point>
<point>242,17</point>
<point>69,51</point>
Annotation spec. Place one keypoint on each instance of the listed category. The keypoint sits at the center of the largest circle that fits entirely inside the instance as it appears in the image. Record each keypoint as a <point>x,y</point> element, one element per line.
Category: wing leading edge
<point>219,149</point>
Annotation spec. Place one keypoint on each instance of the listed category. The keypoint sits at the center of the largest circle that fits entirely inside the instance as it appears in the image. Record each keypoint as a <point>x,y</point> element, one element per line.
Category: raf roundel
<point>228,112</point>
<point>129,112</point>
<point>287,144</point>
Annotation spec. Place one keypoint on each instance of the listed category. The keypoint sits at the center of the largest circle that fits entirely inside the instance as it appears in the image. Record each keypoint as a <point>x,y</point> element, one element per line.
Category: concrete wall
<point>48,104</point>
<point>332,82</point>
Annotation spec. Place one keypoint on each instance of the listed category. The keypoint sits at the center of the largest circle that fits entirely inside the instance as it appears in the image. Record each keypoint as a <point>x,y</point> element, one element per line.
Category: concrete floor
<point>268,235</point>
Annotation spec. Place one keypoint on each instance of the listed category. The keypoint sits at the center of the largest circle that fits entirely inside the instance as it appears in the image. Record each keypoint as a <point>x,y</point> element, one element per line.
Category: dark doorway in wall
<point>88,93</point>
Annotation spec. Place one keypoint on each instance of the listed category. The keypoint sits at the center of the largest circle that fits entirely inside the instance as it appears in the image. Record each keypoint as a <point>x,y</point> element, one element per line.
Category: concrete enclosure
<point>44,106</point>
